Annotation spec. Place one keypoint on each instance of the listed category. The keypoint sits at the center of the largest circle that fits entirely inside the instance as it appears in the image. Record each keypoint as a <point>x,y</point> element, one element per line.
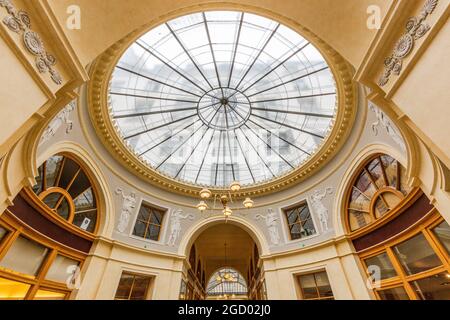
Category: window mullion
<point>409,290</point>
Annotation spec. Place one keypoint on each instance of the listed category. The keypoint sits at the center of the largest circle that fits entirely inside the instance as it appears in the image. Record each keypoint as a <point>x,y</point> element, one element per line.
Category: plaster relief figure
<point>271,220</point>
<point>385,122</point>
<point>175,225</point>
<point>128,205</point>
<point>62,118</point>
<point>319,208</point>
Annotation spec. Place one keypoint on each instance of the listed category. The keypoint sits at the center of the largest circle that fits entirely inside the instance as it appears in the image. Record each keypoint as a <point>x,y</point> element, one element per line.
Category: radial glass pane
<point>213,97</point>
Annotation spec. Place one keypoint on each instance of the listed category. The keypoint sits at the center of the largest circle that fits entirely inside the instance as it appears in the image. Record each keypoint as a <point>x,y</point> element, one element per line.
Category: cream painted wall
<point>336,258</point>
<point>424,95</point>
<point>342,24</point>
<point>108,260</point>
<point>17,89</point>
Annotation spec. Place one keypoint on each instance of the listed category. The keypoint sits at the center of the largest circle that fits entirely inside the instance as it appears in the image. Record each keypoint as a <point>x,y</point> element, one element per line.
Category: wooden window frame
<point>302,293</point>
<point>302,204</point>
<point>51,213</point>
<point>425,227</point>
<point>148,223</point>
<point>39,281</point>
<point>376,222</point>
<point>134,275</point>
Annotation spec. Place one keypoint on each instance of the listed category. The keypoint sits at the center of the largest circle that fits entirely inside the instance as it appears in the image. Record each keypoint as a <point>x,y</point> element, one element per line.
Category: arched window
<point>377,188</point>
<point>227,283</point>
<point>66,189</point>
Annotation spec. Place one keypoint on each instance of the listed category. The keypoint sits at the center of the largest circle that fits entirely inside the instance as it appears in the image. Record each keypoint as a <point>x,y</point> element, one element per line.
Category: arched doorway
<point>227,251</point>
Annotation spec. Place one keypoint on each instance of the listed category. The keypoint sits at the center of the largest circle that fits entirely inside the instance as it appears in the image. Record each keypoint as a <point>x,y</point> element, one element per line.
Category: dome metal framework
<point>221,96</point>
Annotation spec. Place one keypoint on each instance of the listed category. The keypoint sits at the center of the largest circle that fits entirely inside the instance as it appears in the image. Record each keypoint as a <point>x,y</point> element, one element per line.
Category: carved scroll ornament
<point>18,21</point>
<point>416,28</point>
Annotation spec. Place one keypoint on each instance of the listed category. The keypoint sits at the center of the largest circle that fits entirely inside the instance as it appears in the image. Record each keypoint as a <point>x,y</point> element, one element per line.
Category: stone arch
<point>194,231</point>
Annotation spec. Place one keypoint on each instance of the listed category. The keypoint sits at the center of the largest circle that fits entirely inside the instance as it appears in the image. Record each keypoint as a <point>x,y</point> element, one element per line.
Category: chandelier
<point>225,197</point>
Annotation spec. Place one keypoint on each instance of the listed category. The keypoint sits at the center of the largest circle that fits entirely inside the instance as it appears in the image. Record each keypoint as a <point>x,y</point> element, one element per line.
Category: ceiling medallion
<point>226,108</point>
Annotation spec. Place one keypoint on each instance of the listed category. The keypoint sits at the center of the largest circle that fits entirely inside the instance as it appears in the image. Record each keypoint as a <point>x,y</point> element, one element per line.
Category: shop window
<point>299,221</point>
<point>382,262</point>
<point>49,295</point>
<point>315,286</point>
<point>61,269</point>
<point>133,287</point>
<point>442,232</point>
<point>436,287</point>
<point>148,223</point>
<point>24,256</point>
<point>398,293</point>
<point>32,268</point>
<point>13,290</point>
<point>416,255</point>
<point>3,233</point>
<point>415,266</point>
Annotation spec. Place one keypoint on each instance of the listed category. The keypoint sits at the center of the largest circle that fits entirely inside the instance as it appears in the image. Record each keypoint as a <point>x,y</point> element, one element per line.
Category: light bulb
<point>235,186</point>
<point>202,206</point>
<point>205,193</point>
<point>227,211</point>
<point>248,203</point>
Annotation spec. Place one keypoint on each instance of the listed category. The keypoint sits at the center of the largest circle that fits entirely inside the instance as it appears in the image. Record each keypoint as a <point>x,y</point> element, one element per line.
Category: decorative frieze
<point>319,208</point>
<point>18,21</point>
<point>416,28</point>
<point>175,225</point>
<point>128,206</point>
<point>384,122</point>
<point>272,223</point>
<point>62,118</point>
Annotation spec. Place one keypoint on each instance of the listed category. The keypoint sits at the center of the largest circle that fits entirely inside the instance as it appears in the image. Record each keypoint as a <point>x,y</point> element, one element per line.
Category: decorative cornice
<point>98,108</point>
<point>416,28</point>
<point>18,21</point>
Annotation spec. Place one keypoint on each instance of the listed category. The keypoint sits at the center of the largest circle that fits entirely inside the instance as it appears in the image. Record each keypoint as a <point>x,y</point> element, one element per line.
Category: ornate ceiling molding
<point>18,21</point>
<point>416,28</point>
<point>98,107</point>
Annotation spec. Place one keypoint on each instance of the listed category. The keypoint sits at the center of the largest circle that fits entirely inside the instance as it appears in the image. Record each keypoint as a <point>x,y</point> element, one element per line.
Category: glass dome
<point>221,96</point>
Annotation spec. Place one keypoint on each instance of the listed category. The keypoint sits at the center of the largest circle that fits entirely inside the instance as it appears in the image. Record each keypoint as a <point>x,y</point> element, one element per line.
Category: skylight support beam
<point>212,52</point>
<point>188,54</point>
<point>257,56</point>
<point>289,126</point>
<point>235,48</point>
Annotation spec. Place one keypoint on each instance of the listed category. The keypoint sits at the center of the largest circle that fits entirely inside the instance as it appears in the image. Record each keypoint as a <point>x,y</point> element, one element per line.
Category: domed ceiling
<point>220,96</point>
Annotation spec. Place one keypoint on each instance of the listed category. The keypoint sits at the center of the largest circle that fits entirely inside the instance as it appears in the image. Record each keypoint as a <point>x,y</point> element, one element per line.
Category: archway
<point>227,251</point>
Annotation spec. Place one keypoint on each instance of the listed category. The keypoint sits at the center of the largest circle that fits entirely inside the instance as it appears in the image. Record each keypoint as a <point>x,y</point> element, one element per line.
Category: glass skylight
<point>214,97</point>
